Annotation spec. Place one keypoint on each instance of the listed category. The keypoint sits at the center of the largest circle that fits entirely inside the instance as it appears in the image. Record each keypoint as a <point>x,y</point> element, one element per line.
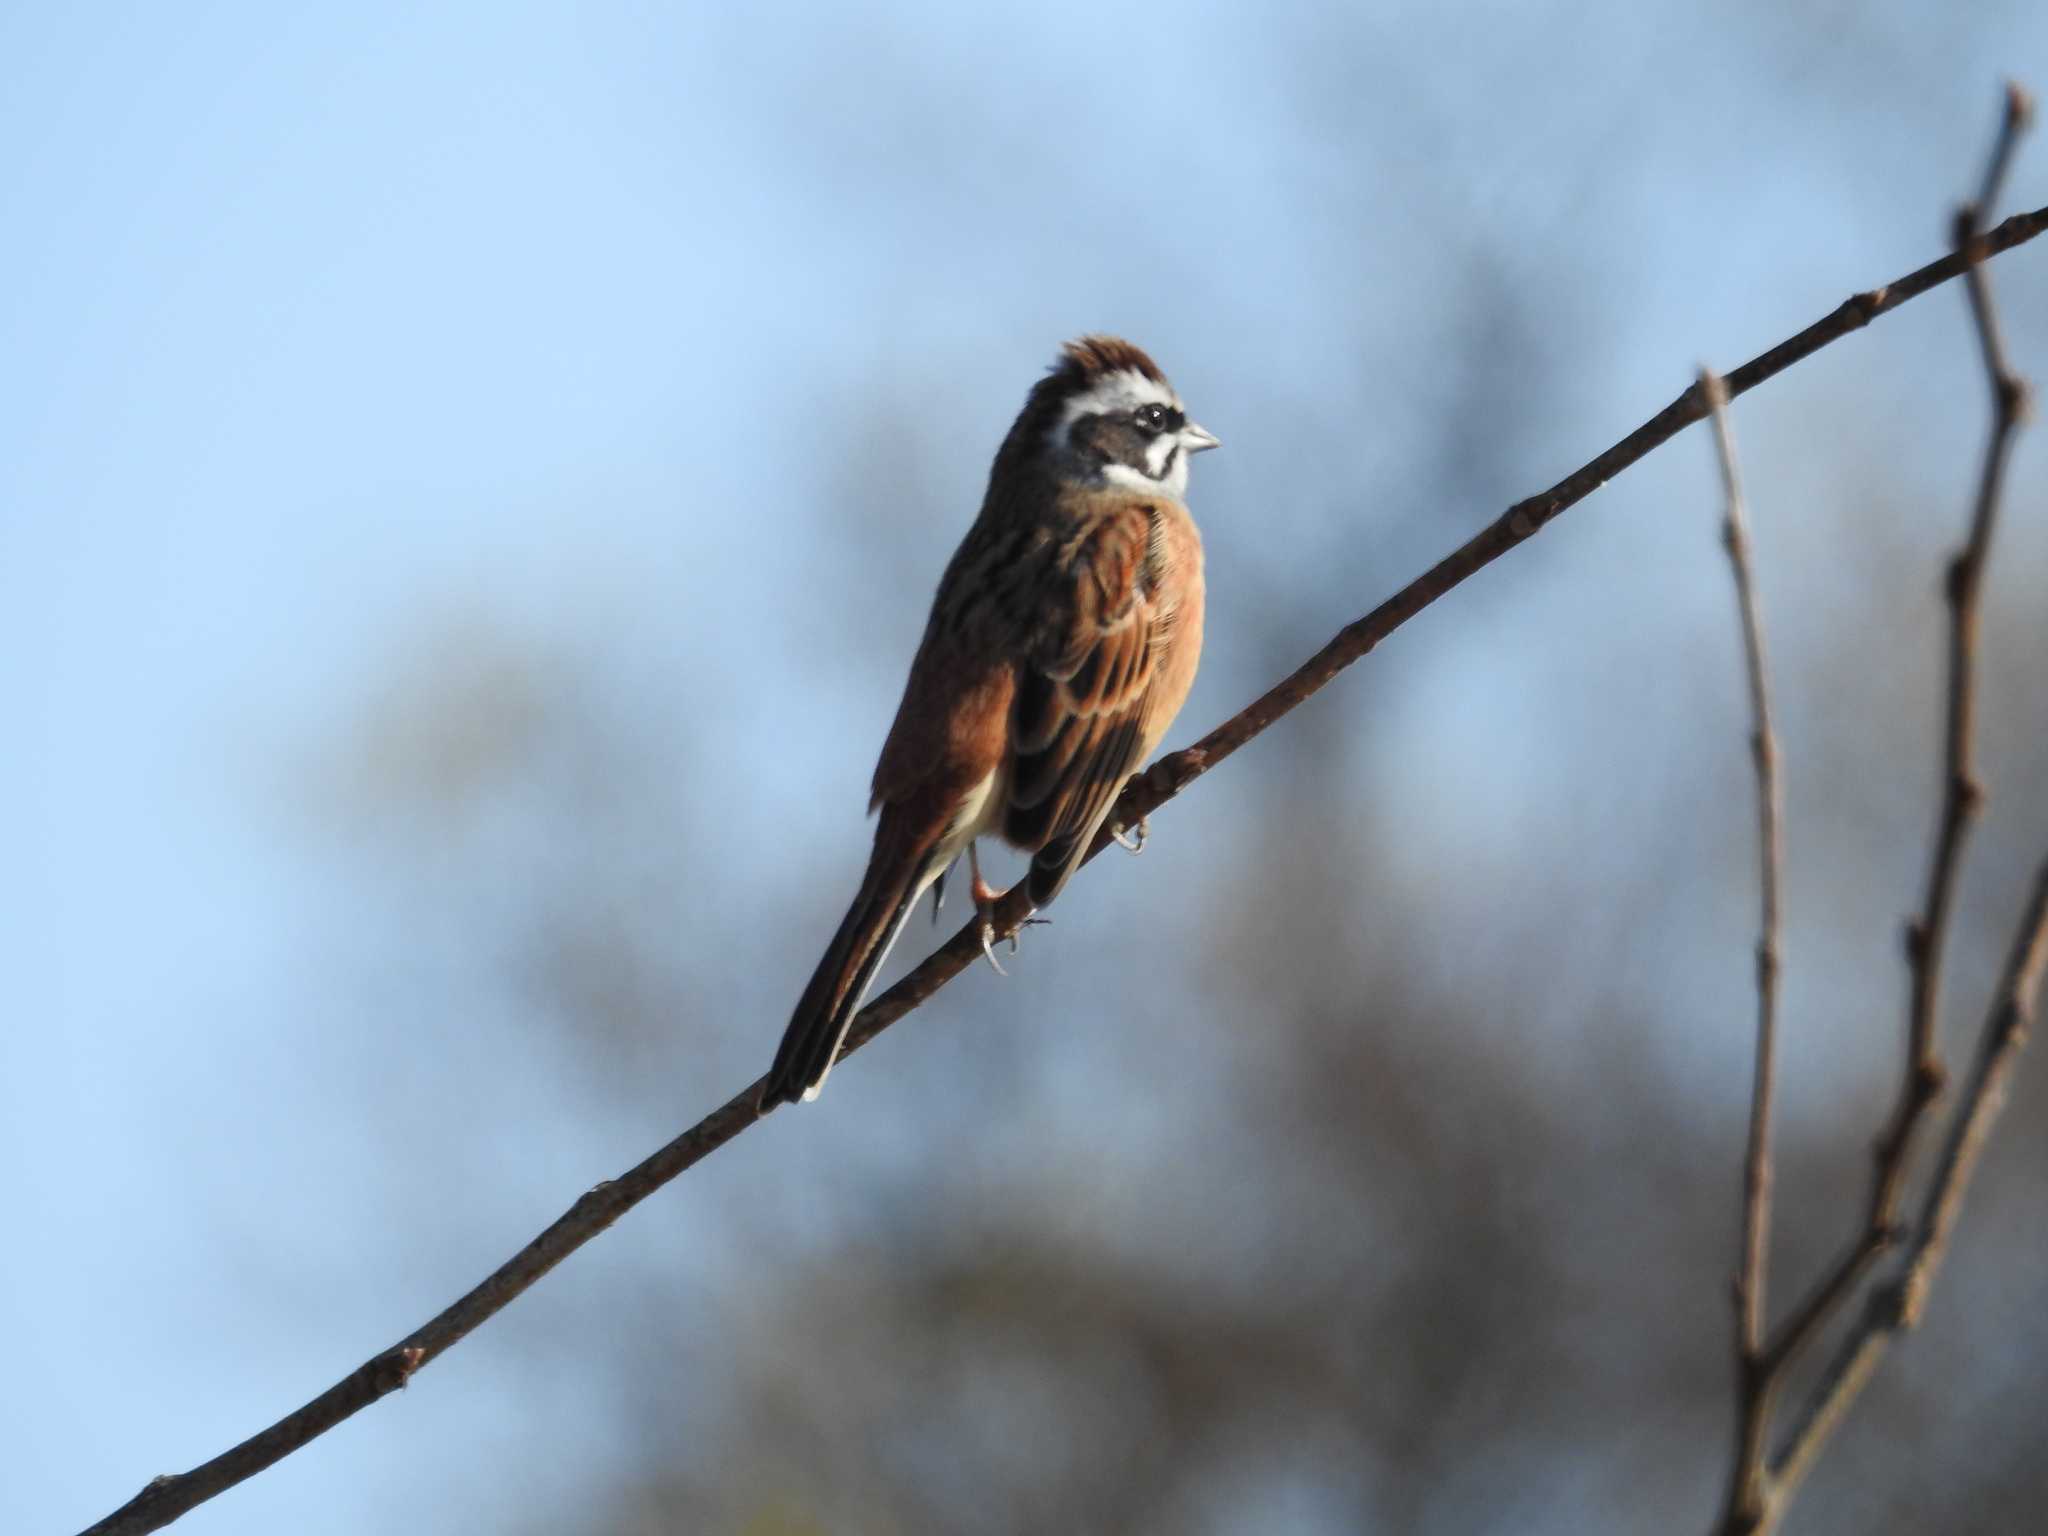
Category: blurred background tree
<point>472,481</point>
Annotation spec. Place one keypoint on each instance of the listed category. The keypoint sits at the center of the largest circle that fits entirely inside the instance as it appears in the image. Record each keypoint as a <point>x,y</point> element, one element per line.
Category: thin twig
<point>1754,1383</point>
<point>165,1499</point>
<point>1897,1306</point>
<point>1962,795</point>
<point>1962,798</point>
<point>1759,1495</point>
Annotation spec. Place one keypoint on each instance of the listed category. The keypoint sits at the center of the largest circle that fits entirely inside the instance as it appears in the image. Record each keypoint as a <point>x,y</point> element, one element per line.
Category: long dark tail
<point>818,1027</point>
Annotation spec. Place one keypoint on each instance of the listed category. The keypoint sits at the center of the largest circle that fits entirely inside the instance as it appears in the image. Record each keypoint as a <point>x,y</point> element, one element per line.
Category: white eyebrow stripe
<point>1124,390</point>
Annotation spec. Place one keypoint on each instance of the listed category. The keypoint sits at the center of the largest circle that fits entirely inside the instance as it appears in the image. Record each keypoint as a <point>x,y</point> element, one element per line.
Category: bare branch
<point>1896,1307</point>
<point>1990,1076</point>
<point>166,1498</point>
<point>1759,1495</point>
<point>1962,795</point>
<point>1755,1382</point>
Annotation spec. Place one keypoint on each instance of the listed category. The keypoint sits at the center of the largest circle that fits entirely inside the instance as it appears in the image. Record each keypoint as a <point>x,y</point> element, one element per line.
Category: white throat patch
<point>1174,482</point>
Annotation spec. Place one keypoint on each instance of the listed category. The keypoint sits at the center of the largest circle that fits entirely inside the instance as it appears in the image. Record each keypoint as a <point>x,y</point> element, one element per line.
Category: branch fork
<point>166,1498</point>
<point>1762,1484</point>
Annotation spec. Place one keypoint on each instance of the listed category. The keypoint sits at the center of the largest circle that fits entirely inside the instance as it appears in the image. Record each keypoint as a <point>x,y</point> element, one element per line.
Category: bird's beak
<point>1195,438</point>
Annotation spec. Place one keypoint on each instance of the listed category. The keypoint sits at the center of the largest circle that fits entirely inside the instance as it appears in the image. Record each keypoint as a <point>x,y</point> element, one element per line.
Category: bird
<point>1062,641</point>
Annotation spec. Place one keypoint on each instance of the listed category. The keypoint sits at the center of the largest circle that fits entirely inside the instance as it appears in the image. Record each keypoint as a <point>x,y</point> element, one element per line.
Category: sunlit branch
<point>165,1499</point>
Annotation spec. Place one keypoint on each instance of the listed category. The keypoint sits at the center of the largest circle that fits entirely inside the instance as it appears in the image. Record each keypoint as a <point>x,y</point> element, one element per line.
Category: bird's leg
<point>1132,840</point>
<point>985,898</point>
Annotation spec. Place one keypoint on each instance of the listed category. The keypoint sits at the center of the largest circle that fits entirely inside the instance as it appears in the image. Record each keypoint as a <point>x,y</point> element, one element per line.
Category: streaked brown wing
<point>1076,724</point>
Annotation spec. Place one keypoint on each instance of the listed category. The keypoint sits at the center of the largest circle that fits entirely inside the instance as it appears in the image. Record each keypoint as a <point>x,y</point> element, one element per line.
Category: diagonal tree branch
<point>166,1498</point>
<point>1754,1383</point>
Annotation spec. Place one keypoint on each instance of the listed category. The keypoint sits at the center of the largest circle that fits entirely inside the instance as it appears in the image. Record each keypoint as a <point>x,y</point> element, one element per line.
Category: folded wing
<point>1080,710</point>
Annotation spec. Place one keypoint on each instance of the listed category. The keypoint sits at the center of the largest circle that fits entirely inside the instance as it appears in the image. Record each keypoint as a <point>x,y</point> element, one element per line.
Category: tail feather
<point>818,1027</point>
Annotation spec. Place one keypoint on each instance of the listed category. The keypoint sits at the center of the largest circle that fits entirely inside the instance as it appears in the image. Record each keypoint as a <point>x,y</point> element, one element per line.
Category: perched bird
<point>1061,644</point>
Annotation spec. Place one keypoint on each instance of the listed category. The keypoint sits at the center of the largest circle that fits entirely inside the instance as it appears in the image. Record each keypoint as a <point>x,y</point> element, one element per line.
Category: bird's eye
<point>1152,417</point>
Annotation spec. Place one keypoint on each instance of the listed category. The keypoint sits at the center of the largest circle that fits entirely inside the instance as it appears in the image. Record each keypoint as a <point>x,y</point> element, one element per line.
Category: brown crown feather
<point>1093,356</point>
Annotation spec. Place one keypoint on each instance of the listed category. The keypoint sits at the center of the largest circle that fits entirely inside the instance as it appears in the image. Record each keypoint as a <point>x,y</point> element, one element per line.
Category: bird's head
<point>1107,414</point>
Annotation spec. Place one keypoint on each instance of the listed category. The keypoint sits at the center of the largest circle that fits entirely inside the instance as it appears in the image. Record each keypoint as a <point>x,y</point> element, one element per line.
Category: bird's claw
<point>988,936</point>
<point>988,946</point>
<point>1132,839</point>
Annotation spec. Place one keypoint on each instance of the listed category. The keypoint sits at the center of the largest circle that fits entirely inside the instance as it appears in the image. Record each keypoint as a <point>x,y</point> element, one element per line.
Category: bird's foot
<point>988,935</point>
<point>985,898</point>
<point>988,946</point>
<point>1132,839</point>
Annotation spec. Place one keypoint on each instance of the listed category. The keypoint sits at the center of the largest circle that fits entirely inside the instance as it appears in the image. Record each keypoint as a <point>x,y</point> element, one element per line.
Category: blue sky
<point>639,365</point>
